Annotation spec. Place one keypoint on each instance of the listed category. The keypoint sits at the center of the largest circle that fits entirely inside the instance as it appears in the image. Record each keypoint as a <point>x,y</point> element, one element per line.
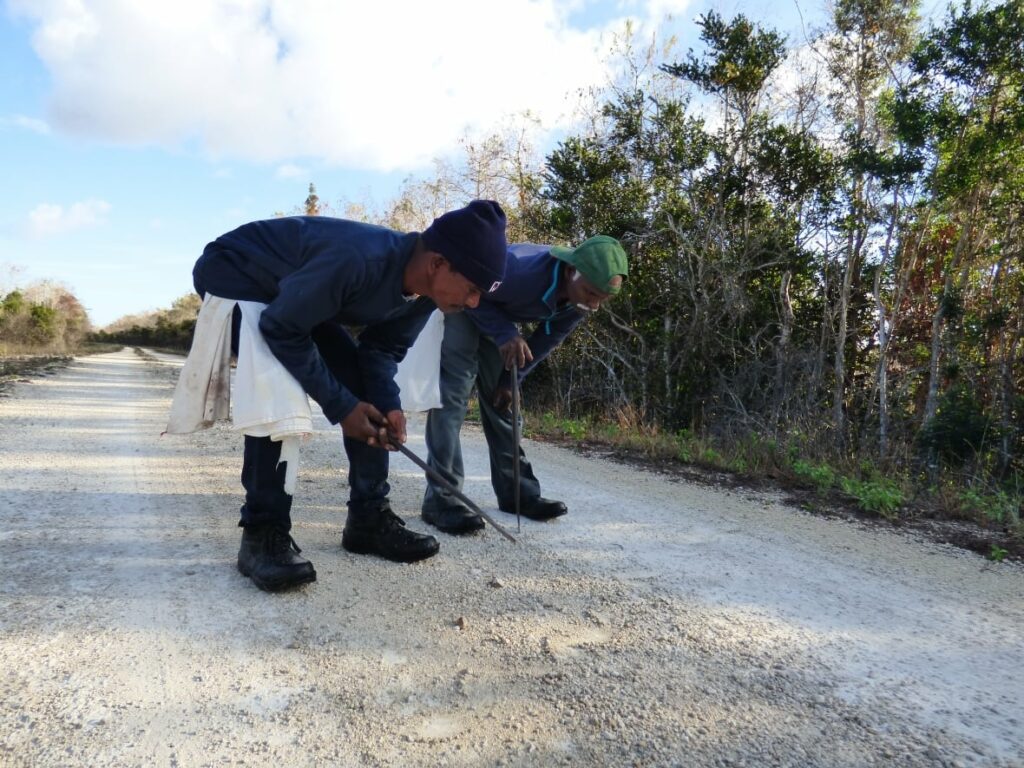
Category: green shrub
<point>999,507</point>
<point>821,476</point>
<point>686,446</point>
<point>997,554</point>
<point>878,495</point>
<point>13,303</point>
<point>712,457</point>
<point>575,428</point>
<point>43,323</point>
<point>960,427</point>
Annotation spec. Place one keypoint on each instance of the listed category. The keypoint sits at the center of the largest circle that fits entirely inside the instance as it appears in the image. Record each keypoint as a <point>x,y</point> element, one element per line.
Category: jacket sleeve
<point>382,346</point>
<point>492,321</point>
<point>549,334</point>
<point>308,297</point>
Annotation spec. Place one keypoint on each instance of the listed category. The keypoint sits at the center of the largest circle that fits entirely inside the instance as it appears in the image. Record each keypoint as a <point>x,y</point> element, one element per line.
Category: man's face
<point>451,291</point>
<point>582,293</point>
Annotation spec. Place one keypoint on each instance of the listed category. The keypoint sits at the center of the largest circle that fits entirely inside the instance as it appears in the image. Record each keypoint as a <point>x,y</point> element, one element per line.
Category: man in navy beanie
<point>316,275</point>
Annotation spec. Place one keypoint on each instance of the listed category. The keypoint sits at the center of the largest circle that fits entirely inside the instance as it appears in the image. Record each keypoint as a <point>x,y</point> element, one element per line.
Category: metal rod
<point>517,436</point>
<point>437,478</point>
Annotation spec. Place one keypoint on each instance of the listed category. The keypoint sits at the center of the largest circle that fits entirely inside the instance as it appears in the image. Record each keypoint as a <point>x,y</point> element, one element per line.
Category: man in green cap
<point>552,286</point>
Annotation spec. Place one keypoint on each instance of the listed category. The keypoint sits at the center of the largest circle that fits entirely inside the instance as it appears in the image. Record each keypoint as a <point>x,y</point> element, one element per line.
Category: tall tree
<point>964,110</point>
<point>868,40</point>
<point>312,204</point>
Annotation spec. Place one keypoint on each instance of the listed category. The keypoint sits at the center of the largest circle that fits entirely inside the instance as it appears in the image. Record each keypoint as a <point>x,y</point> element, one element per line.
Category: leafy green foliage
<point>43,324</point>
<point>741,56</point>
<point>168,328</point>
<point>998,506</point>
<point>12,304</point>
<point>863,292</point>
<point>960,428</point>
<point>576,429</point>
<point>821,476</point>
<point>998,554</point>
<point>42,318</point>
<point>877,495</point>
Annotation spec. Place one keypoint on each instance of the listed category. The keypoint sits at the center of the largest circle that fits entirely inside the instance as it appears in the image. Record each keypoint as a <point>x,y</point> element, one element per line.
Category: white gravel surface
<point>658,624</point>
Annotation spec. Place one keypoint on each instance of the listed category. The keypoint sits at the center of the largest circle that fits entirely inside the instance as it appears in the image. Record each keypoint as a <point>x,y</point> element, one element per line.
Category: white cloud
<point>289,171</point>
<point>382,85</point>
<point>656,10</point>
<point>52,219</point>
<point>33,124</point>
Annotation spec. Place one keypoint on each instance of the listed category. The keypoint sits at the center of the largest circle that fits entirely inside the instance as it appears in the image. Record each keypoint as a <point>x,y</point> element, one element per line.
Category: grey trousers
<point>468,357</point>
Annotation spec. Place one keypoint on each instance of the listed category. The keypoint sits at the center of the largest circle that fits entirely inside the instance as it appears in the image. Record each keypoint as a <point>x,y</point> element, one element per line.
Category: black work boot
<point>270,557</point>
<point>381,532</point>
<point>537,508</point>
<point>455,519</point>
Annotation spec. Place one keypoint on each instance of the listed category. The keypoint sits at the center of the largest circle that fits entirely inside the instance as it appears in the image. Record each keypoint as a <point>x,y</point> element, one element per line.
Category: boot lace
<point>389,519</point>
<point>279,541</point>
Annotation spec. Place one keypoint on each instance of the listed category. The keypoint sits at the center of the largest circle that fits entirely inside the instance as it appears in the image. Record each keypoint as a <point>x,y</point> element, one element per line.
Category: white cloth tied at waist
<point>269,402</point>
<point>419,374</point>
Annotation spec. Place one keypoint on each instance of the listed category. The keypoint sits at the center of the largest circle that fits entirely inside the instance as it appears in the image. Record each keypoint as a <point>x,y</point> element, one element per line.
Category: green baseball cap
<point>598,259</point>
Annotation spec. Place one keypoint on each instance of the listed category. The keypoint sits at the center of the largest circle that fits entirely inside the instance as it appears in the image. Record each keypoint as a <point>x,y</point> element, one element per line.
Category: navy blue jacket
<point>527,294</point>
<point>311,270</point>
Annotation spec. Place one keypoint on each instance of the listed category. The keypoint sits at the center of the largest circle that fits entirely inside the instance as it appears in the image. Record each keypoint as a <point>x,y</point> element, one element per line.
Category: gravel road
<point>658,624</point>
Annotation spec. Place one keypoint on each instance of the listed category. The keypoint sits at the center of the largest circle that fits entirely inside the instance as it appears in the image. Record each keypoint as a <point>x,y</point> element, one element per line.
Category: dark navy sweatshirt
<point>528,294</point>
<point>311,270</point>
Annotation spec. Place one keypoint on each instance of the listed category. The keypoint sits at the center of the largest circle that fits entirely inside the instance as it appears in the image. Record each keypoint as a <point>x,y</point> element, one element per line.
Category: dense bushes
<point>43,318</point>
<point>843,260</point>
<point>165,328</point>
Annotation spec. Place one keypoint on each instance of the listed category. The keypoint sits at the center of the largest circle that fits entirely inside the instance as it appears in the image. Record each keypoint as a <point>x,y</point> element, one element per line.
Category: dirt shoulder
<point>660,623</point>
<point>20,368</point>
<point>928,523</point>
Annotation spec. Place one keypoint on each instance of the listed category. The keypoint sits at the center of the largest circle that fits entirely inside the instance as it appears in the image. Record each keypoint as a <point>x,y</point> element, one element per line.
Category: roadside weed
<point>878,495</point>
<point>821,476</point>
<point>997,554</point>
<point>573,428</point>
<point>999,507</point>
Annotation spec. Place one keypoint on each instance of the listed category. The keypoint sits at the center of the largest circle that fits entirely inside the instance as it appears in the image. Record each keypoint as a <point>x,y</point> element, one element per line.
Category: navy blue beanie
<point>472,239</point>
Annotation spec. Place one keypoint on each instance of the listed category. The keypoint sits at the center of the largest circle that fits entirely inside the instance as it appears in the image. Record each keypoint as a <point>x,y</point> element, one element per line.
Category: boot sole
<point>278,586</point>
<point>537,518</point>
<point>359,548</point>
<point>456,530</point>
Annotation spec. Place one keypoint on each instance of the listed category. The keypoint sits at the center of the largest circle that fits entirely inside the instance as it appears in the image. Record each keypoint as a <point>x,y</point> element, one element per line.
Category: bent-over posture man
<point>316,275</point>
<point>557,287</point>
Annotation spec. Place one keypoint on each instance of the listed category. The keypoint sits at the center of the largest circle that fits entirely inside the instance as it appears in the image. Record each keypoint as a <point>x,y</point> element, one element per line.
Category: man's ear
<point>437,261</point>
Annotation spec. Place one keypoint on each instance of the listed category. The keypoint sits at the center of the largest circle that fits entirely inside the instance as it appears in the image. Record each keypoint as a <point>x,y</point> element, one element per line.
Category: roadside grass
<point>19,361</point>
<point>26,353</point>
<point>161,350</point>
<point>11,351</point>
<point>891,494</point>
<point>16,367</point>
<point>97,348</point>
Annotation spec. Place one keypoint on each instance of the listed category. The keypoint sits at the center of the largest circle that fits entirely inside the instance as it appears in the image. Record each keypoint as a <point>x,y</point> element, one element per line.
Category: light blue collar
<point>549,293</point>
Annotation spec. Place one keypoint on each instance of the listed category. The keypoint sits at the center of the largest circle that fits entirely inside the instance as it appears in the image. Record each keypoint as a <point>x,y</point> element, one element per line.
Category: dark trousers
<point>469,357</point>
<point>266,502</point>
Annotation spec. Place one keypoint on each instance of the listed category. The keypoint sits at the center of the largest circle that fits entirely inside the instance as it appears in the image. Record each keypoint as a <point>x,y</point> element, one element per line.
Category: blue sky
<point>131,134</point>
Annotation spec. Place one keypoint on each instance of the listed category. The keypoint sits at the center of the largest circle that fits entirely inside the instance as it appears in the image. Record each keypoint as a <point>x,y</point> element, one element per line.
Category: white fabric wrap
<point>419,374</point>
<point>269,402</point>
